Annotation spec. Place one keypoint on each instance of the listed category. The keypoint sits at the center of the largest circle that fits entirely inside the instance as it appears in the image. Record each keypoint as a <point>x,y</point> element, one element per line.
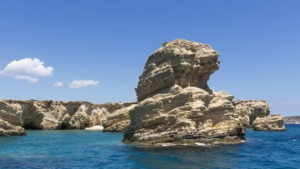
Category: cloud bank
<point>27,69</point>
<point>58,84</point>
<point>82,83</point>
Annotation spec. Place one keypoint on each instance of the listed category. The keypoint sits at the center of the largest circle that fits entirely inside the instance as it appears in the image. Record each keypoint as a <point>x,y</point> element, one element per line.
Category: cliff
<point>54,115</point>
<point>7,129</point>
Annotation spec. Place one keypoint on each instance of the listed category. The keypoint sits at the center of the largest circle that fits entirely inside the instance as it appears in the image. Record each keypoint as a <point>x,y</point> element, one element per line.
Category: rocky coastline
<point>56,115</point>
<point>174,105</point>
<point>292,120</point>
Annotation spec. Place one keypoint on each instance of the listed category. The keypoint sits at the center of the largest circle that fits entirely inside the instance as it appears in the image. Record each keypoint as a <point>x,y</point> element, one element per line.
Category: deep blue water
<point>93,149</point>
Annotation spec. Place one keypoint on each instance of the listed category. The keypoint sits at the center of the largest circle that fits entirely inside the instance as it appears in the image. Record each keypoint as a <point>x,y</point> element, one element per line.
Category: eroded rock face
<point>52,115</point>
<point>249,110</point>
<point>180,62</point>
<point>176,104</point>
<point>186,115</point>
<point>118,120</point>
<point>274,122</point>
<point>6,129</point>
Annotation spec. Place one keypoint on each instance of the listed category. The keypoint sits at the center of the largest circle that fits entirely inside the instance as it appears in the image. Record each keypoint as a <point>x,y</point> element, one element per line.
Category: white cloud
<point>82,83</point>
<point>58,84</point>
<point>27,69</point>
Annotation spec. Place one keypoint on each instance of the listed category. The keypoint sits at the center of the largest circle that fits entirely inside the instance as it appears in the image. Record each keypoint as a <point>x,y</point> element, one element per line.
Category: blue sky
<point>109,42</point>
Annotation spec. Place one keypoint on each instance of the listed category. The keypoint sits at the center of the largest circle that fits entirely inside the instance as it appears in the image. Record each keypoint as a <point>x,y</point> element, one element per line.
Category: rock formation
<point>7,129</point>
<point>178,62</point>
<point>249,110</point>
<point>53,115</point>
<point>274,122</point>
<point>175,102</point>
<point>118,120</point>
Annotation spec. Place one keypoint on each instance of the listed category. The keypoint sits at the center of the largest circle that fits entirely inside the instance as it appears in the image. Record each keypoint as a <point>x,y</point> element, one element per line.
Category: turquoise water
<point>93,149</point>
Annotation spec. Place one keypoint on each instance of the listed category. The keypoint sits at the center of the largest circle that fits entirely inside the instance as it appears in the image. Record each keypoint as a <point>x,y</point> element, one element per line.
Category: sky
<point>95,50</point>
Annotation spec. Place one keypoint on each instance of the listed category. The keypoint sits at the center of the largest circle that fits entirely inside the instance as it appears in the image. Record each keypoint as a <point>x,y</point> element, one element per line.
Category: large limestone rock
<point>249,110</point>
<point>7,129</point>
<point>180,62</point>
<point>274,122</point>
<point>176,104</point>
<point>118,120</point>
<point>52,115</point>
<point>186,115</point>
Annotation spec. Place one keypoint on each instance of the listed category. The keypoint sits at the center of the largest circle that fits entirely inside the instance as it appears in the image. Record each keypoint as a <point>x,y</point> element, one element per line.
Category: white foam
<point>295,140</point>
<point>168,144</point>
<point>200,144</point>
<point>96,127</point>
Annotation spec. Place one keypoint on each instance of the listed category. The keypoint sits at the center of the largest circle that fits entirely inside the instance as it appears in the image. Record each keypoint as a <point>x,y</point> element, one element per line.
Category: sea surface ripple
<point>93,149</point>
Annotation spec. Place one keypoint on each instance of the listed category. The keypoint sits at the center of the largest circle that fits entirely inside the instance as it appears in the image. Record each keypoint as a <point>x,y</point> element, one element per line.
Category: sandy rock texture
<point>175,102</point>
<point>180,62</point>
<point>53,115</point>
<point>249,110</point>
<point>274,122</point>
<point>118,120</point>
<point>7,129</point>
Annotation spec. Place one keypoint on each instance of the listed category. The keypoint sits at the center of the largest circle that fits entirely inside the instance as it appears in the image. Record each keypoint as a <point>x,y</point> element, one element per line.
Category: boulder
<point>6,129</point>
<point>274,122</point>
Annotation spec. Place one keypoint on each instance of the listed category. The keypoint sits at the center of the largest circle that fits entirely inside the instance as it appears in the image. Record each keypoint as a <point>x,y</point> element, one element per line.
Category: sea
<point>93,149</point>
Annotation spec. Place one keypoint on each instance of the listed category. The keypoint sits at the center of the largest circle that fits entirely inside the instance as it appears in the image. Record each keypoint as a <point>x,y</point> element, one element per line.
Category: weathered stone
<point>53,115</point>
<point>248,110</point>
<point>186,116</point>
<point>7,129</point>
<point>180,62</point>
<point>118,120</point>
<point>176,104</point>
<point>274,122</point>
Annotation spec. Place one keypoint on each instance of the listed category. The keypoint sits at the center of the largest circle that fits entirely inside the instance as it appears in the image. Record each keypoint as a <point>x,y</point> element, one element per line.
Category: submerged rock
<point>176,104</point>
<point>7,129</point>
<point>274,122</point>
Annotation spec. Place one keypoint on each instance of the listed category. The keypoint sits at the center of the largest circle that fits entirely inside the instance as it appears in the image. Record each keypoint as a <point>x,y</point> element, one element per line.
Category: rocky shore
<point>292,120</point>
<point>174,105</point>
<point>56,115</point>
<point>7,129</point>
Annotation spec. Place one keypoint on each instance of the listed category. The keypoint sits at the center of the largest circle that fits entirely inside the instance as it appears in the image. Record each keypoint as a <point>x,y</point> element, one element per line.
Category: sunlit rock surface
<point>249,110</point>
<point>175,103</point>
<point>53,115</point>
<point>274,122</point>
<point>7,129</point>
